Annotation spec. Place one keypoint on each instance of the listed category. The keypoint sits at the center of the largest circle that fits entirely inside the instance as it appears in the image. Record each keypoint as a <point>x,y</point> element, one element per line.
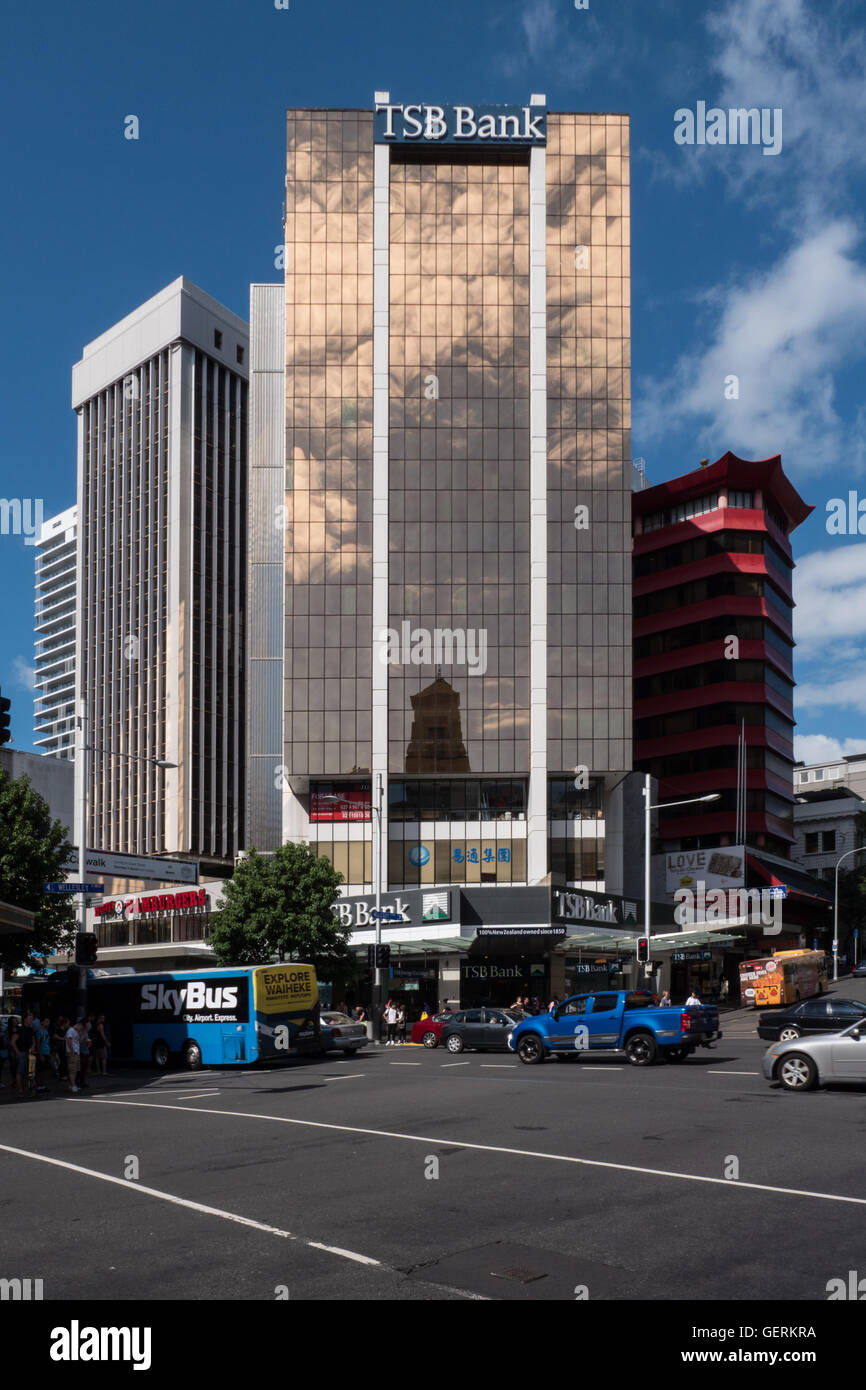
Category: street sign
<point>385,916</point>
<point>778,890</point>
<point>135,866</point>
<point>94,888</point>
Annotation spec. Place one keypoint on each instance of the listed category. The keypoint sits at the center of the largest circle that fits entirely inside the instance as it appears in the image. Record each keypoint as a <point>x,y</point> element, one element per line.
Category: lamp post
<point>692,800</point>
<point>846,855</point>
<point>83,749</point>
<point>377,793</point>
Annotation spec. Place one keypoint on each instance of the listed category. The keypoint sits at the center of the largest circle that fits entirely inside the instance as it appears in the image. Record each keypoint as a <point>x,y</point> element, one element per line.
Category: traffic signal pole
<point>81,970</point>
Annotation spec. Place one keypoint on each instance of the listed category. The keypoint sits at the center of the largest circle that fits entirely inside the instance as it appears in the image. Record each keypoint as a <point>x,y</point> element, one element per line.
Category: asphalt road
<point>415,1175</point>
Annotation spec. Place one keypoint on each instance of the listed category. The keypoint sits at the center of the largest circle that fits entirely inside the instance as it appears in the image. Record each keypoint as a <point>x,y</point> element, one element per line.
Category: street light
<point>692,800</point>
<point>846,855</point>
<point>376,808</point>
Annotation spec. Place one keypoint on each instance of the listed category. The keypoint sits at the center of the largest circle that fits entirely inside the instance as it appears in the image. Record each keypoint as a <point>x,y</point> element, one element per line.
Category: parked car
<point>480,1028</point>
<point>800,1064</point>
<point>341,1033</point>
<point>859,971</point>
<point>622,1022</point>
<point>427,1031</point>
<point>819,1015</point>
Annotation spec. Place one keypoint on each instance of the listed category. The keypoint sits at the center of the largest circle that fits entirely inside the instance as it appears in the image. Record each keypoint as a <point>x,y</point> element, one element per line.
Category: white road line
<point>482,1148</point>
<point>350,1076</point>
<point>598,1066</point>
<point>509,1065</point>
<point>191,1206</point>
<point>197,1095</point>
<point>404,1064</point>
<point>454,1064</point>
<point>723,1071</point>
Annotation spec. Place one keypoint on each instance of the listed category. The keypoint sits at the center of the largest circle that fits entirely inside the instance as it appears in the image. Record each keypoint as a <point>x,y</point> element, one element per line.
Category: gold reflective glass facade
<point>459,460</point>
<point>329,441</point>
<point>589,452</point>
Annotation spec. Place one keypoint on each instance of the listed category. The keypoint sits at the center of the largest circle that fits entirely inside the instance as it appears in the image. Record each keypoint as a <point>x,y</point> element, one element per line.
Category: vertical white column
<point>381,367</point>
<point>536,848</point>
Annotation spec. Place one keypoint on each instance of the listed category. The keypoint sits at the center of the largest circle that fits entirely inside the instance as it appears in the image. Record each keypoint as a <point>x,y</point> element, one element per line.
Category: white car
<point>802,1063</point>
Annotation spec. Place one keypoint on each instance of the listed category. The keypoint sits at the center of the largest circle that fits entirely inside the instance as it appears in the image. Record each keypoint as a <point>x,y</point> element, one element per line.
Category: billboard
<point>340,801</point>
<point>715,868</point>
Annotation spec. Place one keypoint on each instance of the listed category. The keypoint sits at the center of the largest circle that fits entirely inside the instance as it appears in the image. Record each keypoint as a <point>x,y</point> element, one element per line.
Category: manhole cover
<point>521,1275</point>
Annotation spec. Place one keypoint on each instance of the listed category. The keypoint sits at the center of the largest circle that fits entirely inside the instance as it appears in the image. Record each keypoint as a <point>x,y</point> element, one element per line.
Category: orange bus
<point>783,978</point>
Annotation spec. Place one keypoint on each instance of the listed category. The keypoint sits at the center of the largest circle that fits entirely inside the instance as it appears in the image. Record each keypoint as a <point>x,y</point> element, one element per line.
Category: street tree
<point>33,848</point>
<point>279,907</point>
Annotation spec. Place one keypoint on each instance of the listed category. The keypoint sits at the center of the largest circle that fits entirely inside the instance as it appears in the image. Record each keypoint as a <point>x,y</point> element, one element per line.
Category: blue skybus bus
<point>231,1016</point>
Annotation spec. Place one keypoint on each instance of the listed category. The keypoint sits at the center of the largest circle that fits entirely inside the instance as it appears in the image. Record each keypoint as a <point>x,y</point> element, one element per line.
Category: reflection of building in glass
<point>456,478</point>
<point>436,741</point>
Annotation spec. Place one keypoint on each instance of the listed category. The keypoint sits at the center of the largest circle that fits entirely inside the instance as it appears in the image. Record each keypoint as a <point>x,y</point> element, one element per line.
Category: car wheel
<point>430,1040</point>
<point>797,1072</point>
<point>454,1043</point>
<point>789,1034</point>
<point>192,1056</point>
<point>641,1049</point>
<point>161,1055</point>
<point>530,1049</point>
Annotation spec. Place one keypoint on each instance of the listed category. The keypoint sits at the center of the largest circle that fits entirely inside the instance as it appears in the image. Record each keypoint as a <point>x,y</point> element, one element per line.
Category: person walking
<point>42,1030</point>
<point>58,1045</point>
<point>401,1023</point>
<point>665,1001</point>
<point>73,1055</point>
<point>391,1022</point>
<point>100,1047</point>
<point>693,1001</point>
<point>84,1052</point>
<point>22,1045</point>
<point>4,1050</point>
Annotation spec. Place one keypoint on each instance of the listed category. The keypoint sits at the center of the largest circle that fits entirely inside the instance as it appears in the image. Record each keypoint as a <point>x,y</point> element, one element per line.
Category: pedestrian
<point>73,1055</point>
<point>391,1017</point>
<point>693,1000</point>
<point>4,1050</point>
<point>724,990</point>
<point>665,1001</point>
<point>84,1052</point>
<point>43,1052</point>
<point>401,1022</point>
<point>101,1046</point>
<point>58,1044</point>
<point>553,1005</point>
<point>22,1045</point>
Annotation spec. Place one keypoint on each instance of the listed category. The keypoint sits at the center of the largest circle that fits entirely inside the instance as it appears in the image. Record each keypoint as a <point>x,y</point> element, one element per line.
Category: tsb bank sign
<point>460,125</point>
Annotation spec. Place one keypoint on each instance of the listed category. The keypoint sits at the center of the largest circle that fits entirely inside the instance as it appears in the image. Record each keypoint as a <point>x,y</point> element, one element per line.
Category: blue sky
<point>742,263</point>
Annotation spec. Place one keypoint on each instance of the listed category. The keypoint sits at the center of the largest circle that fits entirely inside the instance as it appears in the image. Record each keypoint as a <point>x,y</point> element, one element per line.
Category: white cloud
<point>783,333</point>
<point>830,594</point>
<point>23,674</point>
<point>818,748</point>
<point>570,43</point>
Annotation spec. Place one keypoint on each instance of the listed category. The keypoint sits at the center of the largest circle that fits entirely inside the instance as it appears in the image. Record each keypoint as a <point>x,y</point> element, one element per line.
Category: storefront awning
<point>15,920</point>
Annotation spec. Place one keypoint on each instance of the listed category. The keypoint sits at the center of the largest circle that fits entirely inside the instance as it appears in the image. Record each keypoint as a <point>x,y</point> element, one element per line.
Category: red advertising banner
<point>340,801</point>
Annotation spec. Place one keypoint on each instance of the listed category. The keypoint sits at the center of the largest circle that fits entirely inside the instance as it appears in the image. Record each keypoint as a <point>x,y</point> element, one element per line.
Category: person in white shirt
<point>73,1054</point>
<point>391,1020</point>
<point>693,1001</point>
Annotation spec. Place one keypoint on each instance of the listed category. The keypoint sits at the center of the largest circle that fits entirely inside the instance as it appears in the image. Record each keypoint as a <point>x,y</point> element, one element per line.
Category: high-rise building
<point>714,690</point>
<point>161,399</point>
<point>54,705</point>
<point>440,671</point>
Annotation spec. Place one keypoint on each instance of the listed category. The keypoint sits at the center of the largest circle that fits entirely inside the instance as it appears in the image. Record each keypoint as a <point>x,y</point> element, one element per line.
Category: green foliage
<point>281,906</point>
<point>33,848</point>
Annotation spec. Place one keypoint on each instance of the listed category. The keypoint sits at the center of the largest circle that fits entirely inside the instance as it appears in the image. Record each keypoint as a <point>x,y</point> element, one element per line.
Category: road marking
<point>598,1066</point>
<point>480,1148</point>
<point>722,1071</point>
<point>349,1076</point>
<point>192,1206</point>
<point>454,1064</point>
<point>405,1064</point>
<point>509,1065</point>
<point>197,1095</point>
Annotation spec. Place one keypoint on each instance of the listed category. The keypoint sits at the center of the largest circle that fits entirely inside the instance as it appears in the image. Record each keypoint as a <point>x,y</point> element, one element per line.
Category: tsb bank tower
<point>440,553</point>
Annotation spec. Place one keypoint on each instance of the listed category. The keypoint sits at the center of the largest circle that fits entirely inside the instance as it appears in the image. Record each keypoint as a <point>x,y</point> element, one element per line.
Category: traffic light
<point>383,957</point>
<point>86,946</point>
<point>5,735</point>
<point>371,957</point>
<point>643,954</point>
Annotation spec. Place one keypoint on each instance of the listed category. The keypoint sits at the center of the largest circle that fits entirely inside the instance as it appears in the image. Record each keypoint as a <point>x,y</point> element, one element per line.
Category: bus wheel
<point>192,1056</point>
<point>161,1055</point>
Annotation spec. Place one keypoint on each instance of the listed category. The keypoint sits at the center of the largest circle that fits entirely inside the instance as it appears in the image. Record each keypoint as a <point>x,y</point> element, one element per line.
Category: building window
<point>217,339</point>
<point>829,841</point>
<point>819,774</point>
<point>812,842</point>
<point>683,511</point>
<point>239,353</point>
<point>743,500</point>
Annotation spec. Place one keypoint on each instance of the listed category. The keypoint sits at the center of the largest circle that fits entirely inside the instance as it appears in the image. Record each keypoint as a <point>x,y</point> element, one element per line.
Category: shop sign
<point>471,971</point>
<point>521,931</point>
<point>716,868</point>
<point>398,124</point>
<point>157,902</point>
<point>691,955</point>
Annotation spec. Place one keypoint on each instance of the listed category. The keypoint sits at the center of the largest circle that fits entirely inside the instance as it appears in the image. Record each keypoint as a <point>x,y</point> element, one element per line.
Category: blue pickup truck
<point>623,1022</point>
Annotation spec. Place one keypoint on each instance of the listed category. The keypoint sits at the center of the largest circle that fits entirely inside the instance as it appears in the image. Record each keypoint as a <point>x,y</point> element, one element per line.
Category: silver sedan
<point>802,1063</point>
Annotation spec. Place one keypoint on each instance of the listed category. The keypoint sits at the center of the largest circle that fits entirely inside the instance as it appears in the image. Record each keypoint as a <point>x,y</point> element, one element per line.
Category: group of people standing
<point>37,1049</point>
<point>395,1021</point>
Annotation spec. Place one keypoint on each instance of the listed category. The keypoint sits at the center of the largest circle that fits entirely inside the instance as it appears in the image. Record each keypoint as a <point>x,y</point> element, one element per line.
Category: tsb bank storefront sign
<point>460,125</point>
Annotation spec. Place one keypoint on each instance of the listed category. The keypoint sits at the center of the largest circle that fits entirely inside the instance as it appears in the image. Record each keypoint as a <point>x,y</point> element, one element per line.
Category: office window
<point>217,338</point>
<point>829,841</point>
<point>812,842</point>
